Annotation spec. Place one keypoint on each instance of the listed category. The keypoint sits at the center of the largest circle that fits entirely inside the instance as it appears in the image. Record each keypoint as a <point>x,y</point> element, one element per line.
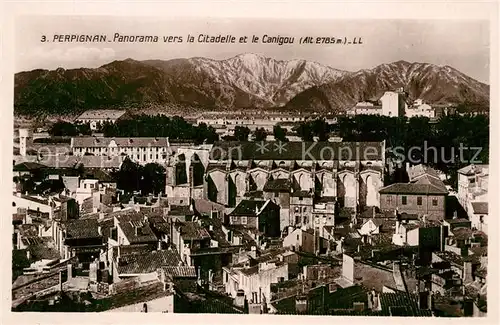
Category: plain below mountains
<point>244,81</point>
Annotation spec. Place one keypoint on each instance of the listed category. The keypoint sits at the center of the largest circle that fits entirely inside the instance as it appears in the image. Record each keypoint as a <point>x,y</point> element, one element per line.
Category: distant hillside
<point>433,84</point>
<point>244,81</point>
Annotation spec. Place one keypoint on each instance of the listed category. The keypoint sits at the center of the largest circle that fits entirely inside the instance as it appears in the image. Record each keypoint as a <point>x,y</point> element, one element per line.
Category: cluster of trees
<point>148,179</point>
<point>160,126</point>
<point>242,133</point>
<point>67,129</point>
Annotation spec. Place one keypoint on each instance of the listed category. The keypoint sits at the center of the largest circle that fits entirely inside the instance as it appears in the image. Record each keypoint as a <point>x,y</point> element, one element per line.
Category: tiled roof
<point>28,230</point>
<point>86,161</point>
<point>131,249</point>
<point>27,166</point>
<point>480,207</point>
<point>419,170</point>
<point>281,184</point>
<point>35,199</point>
<point>458,220</point>
<point>247,207</point>
<point>217,232</point>
<point>180,210</point>
<point>412,188</point>
<point>299,151</point>
<point>192,230</point>
<point>159,224</point>
<point>430,180</point>
<point>149,262</point>
<point>101,114</point>
<point>131,297</point>
<point>43,249</point>
<point>472,169</point>
<point>94,142</point>
<point>136,229</point>
<point>180,271</point>
<point>82,229</point>
<point>451,258</point>
<point>402,304</point>
<point>462,233</point>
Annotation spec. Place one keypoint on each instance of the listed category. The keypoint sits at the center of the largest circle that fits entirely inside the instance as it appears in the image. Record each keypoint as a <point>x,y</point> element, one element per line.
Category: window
<point>388,200</point>
<point>298,237</point>
<point>300,198</point>
<point>404,200</point>
<point>434,202</point>
<point>419,200</point>
<point>244,220</point>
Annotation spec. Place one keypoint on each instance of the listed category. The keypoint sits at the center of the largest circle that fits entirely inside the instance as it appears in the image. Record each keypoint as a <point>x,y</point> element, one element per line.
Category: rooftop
<point>148,262</point>
<point>280,184</point>
<point>480,207</point>
<point>295,151</point>
<point>102,114</point>
<point>82,229</point>
<point>402,304</point>
<point>191,230</point>
<point>248,208</point>
<point>413,188</point>
<point>473,170</point>
<point>136,228</point>
<point>120,142</point>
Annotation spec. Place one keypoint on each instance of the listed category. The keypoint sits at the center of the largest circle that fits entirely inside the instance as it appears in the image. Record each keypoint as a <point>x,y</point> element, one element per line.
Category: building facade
<point>95,118</point>
<point>140,150</point>
<point>394,103</point>
<point>348,173</point>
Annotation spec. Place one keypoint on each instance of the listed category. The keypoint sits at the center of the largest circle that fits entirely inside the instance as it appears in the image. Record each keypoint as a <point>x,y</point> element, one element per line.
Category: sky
<point>462,44</point>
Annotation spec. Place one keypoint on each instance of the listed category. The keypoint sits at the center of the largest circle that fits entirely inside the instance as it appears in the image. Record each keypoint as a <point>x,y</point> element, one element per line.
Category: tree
<point>62,128</point>
<point>321,129</point>
<point>305,132</point>
<point>279,133</point>
<point>260,134</point>
<point>152,179</point>
<point>128,177</point>
<point>80,170</point>
<point>241,133</point>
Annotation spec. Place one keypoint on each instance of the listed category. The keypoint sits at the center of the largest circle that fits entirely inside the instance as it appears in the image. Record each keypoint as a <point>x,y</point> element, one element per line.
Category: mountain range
<point>244,81</point>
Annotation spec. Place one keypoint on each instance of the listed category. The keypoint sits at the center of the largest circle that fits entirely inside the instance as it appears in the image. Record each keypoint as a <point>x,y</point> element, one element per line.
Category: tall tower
<point>23,137</point>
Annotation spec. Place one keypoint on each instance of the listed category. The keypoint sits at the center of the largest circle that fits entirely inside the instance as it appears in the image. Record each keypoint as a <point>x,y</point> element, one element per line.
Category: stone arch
<point>371,191</point>
<point>198,170</point>
<point>180,170</point>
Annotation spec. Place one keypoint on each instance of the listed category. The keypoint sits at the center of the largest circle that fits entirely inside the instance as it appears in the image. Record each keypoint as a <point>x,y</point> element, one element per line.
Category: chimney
<point>239,300</point>
<point>70,271</point>
<point>159,245</point>
<point>301,304</point>
<point>60,281</point>
<point>40,230</point>
<point>99,230</point>
<point>358,306</point>
<point>424,300</point>
<point>467,272</point>
<point>28,254</point>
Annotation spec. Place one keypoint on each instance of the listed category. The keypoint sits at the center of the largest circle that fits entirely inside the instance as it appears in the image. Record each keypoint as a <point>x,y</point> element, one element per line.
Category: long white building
<point>140,150</point>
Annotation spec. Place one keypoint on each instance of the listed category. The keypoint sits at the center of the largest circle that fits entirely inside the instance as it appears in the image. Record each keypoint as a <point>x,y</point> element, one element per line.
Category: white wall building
<point>393,103</point>
<point>96,117</point>
<point>419,108</point>
<point>140,150</point>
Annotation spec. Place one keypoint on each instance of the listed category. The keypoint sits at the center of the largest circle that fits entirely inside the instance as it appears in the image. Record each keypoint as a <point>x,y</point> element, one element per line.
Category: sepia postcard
<point>233,165</point>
